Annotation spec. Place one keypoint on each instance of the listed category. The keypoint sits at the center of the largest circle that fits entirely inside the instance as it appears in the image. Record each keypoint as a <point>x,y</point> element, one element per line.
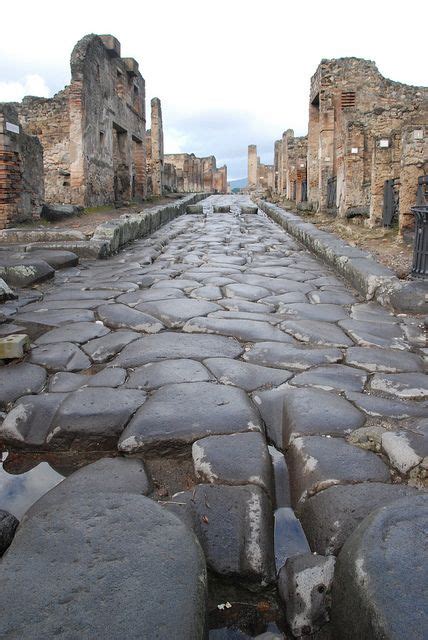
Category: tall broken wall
<point>21,171</point>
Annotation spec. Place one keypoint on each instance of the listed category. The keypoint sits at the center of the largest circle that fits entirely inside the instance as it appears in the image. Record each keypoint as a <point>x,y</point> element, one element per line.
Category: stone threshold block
<point>14,346</point>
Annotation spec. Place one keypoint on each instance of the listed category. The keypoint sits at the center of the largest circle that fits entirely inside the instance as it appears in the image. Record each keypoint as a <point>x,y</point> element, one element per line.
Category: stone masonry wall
<point>21,171</point>
<point>197,175</point>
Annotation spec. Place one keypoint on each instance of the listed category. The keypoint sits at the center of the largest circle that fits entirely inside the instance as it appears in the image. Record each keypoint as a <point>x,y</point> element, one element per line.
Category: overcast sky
<point>229,73</point>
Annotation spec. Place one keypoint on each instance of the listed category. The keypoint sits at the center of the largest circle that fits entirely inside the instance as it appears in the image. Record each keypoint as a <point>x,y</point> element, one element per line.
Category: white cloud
<point>30,85</point>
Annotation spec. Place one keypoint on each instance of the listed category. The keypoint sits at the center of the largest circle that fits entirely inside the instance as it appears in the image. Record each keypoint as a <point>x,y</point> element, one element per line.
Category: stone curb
<point>368,277</point>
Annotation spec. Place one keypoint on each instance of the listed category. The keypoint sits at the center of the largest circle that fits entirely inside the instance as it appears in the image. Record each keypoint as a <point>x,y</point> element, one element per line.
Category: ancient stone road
<point>194,350</point>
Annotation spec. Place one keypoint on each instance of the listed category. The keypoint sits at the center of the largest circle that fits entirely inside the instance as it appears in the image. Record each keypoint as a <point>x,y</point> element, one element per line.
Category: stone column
<point>157,147</point>
<point>252,166</point>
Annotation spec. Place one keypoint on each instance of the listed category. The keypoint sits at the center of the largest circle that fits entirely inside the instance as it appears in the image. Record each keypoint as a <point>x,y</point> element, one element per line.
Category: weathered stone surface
<point>322,312</point>
<point>101,349</point>
<point>331,297</point>
<point>158,562</point>
<point>332,515</point>
<point>20,379</point>
<point>379,407</point>
<point>149,295</point>
<point>120,316</point>
<point>14,346</point>
<point>53,212</point>
<point>237,304</point>
<point>175,313</point>
<point>304,585</point>
<point>372,312</point>
<point>317,462</point>
<point>374,334</point>
<point>168,345</point>
<point>248,331</point>
<point>379,583</point>
<point>235,528</point>
<point>408,448</point>
<point>270,404</point>
<point>240,458</point>
<point>24,273</point>
<point>78,332</point>
<point>157,374</point>
<point>93,418</point>
<point>248,292</point>
<point>401,385</point>
<point>6,292</point>
<point>322,333</point>
<point>65,382</point>
<point>315,412</point>
<point>244,375</point>
<point>27,425</point>
<point>293,356</point>
<point>177,283</point>
<point>385,360</point>
<point>61,356</point>
<point>8,525</point>
<point>332,376</point>
<point>55,259</point>
<point>178,414</point>
<point>290,539</point>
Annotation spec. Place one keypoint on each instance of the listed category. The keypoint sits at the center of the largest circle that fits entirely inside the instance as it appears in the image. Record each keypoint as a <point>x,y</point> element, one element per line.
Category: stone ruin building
<point>196,174</point>
<point>366,152</point>
<point>88,145</point>
<point>260,176</point>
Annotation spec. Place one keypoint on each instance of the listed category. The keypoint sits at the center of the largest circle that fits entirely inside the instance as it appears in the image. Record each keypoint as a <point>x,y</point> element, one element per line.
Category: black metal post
<point>420,246</point>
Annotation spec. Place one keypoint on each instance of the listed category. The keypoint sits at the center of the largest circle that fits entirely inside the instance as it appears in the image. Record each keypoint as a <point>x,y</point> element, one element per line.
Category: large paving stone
<point>93,547</point>
<point>64,382</point>
<point>177,283</point>
<point>374,334</point>
<point>240,458</point>
<point>401,385</point>
<point>27,425</point>
<point>175,313</point>
<point>331,297</point>
<point>291,356</point>
<point>246,331</point>
<point>322,312</point>
<point>60,356</point>
<point>381,407</point>
<point>315,412</point>
<point>318,462</point>
<point>272,318</point>
<point>149,295</point>
<point>102,349</point>
<point>332,376</point>
<point>20,379</point>
<point>246,291</point>
<point>322,333</point>
<point>331,516</point>
<point>120,316</point>
<point>93,418</point>
<point>372,312</point>
<point>235,528</point>
<point>55,258</point>
<point>38,322</point>
<point>157,374</point>
<point>24,273</point>
<point>237,304</point>
<point>379,588</point>
<point>70,293</point>
<point>78,332</point>
<point>178,414</point>
<point>407,448</point>
<point>384,360</point>
<point>245,375</point>
<point>169,346</point>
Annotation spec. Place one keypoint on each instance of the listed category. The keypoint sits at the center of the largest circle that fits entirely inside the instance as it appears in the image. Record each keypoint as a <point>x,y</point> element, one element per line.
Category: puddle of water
<point>19,492</point>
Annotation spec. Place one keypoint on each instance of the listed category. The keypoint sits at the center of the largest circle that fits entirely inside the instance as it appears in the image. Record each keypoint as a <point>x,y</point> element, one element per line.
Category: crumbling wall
<point>357,125</point>
<point>21,171</point>
<point>197,175</point>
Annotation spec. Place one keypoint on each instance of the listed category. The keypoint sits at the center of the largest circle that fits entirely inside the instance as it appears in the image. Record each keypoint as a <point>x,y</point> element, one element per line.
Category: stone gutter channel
<point>243,438</point>
<point>366,275</point>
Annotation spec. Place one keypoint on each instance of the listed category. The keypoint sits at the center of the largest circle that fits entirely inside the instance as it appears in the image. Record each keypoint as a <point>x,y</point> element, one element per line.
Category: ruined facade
<point>364,130</point>
<point>194,174</point>
<point>21,171</point>
<point>290,167</point>
<point>260,176</point>
<point>93,131</point>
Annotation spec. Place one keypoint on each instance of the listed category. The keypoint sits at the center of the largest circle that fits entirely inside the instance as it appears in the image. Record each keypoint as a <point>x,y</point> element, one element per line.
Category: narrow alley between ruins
<point>220,369</point>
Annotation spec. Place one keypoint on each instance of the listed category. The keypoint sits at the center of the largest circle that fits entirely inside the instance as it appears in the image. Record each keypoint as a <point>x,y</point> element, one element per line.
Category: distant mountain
<point>238,184</point>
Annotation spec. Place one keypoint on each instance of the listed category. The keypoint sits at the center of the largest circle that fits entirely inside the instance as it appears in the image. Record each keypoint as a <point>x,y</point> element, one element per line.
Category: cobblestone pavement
<point>209,350</point>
